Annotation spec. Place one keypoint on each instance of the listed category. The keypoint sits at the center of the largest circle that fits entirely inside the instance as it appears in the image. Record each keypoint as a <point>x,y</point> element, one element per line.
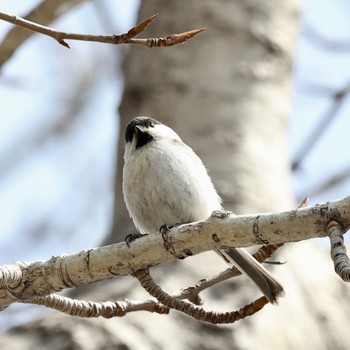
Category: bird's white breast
<point>165,182</point>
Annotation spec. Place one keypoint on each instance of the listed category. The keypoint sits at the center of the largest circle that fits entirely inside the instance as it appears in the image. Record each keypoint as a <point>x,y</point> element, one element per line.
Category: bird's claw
<point>133,237</point>
<point>166,228</point>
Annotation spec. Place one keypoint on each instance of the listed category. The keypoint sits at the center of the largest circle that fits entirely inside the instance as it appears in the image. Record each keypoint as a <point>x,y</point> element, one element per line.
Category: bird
<point>166,183</point>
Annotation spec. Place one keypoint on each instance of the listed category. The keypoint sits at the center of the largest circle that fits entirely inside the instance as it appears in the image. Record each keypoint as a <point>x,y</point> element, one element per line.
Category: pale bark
<point>221,230</point>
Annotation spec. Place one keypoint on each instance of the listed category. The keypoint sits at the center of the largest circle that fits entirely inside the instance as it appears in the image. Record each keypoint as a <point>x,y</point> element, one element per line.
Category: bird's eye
<point>150,123</point>
<point>145,122</point>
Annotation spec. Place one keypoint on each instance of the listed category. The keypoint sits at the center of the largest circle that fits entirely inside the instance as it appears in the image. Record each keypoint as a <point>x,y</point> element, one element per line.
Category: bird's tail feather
<point>255,271</point>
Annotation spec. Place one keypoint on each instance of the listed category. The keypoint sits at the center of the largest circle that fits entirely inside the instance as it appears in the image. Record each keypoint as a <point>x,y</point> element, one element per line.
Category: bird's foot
<point>168,244</point>
<point>166,228</point>
<point>133,237</point>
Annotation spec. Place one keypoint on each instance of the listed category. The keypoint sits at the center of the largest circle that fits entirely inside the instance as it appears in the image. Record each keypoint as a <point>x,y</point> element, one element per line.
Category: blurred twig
<point>46,12</point>
<point>126,38</point>
<point>315,134</point>
<point>332,181</point>
<point>316,38</point>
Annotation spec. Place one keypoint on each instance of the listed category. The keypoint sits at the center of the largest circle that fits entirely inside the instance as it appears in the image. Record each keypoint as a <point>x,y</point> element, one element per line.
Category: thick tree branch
<point>221,230</point>
<point>108,309</point>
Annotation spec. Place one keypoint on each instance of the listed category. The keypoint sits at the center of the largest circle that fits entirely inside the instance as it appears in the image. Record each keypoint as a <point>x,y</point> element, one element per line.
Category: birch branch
<point>338,251</point>
<point>108,309</point>
<point>194,311</point>
<point>192,293</point>
<point>221,230</point>
<point>263,253</point>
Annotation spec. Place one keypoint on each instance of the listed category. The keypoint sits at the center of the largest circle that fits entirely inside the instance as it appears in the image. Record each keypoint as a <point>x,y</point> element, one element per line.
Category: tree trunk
<point>226,92</point>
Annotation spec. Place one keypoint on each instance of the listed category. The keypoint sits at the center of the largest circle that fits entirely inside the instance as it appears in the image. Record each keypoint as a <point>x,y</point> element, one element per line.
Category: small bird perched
<point>165,182</point>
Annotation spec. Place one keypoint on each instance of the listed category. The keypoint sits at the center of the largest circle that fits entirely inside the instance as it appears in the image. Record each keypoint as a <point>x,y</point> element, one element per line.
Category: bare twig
<point>329,44</point>
<point>338,250</point>
<point>315,134</point>
<point>91,309</point>
<point>194,311</point>
<point>266,251</point>
<point>126,38</point>
<point>334,180</point>
<point>192,293</point>
<point>45,12</point>
<point>304,203</point>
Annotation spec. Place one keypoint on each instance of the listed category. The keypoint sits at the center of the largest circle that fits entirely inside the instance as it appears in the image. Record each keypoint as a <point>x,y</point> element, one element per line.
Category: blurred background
<point>60,123</point>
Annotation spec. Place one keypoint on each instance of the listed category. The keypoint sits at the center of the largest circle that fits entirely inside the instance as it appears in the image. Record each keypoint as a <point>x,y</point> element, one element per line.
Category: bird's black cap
<point>142,136</point>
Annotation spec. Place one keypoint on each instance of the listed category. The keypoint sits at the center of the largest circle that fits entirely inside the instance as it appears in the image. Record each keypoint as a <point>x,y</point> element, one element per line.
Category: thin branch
<point>317,89</point>
<point>89,309</point>
<point>330,44</point>
<point>334,180</point>
<point>316,133</point>
<point>338,250</point>
<point>194,311</point>
<point>45,12</point>
<point>126,38</point>
<point>10,275</point>
<point>192,293</point>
